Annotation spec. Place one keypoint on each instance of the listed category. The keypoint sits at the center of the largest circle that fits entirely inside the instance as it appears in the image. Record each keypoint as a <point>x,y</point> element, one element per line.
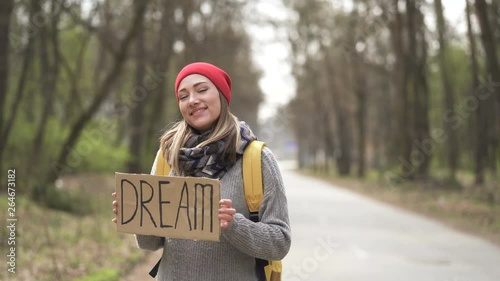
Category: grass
<point>467,208</point>
<point>54,245</point>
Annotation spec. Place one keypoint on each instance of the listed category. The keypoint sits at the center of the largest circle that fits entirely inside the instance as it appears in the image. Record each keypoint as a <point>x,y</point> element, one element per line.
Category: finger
<point>224,225</point>
<point>113,194</point>
<point>114,211</point>
<point>227,203</point>
<point>227,211</point>
<point>115,203</point>
<point>224,217</point>
<point>114,220</point>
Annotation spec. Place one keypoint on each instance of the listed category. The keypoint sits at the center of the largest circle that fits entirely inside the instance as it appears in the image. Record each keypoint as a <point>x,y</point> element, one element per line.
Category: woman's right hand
<point>115,205</point>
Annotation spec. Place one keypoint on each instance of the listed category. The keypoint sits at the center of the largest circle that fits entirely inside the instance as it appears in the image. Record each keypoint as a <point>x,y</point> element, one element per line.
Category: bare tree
<point>49,72</point>
<point>105,44</point>
<point>417,84</point>
<point>404,133</point>
<point>358,69</point>
<point>5,13</point>
<point>481,8</point>
<point>188,8</point>
<point>162,60</point>
<point>482,122</point>
<point>103,92</point>
<point>343,156</point>
<point>74,102</point>
<point>136,128</point>
<point>449,95</point>
<point>27,55</point>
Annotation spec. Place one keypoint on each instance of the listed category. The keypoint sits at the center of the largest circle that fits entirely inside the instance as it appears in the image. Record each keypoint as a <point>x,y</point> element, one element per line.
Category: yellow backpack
<point>254,191</point>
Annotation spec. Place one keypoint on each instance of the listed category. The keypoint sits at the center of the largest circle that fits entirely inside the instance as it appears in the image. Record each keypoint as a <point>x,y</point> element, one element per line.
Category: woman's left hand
<point>226,213</point>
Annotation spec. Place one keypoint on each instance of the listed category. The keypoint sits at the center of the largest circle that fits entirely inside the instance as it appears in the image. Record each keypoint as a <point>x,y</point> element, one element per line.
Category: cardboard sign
<point>174,207</point>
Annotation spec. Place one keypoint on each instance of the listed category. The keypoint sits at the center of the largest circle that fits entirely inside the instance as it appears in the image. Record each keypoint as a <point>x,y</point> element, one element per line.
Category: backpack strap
<point>252,177</point>
<point>162,169</point>
<point>254,191</point>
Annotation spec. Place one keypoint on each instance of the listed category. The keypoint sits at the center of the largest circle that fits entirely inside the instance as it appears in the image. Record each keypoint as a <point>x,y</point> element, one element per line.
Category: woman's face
<point>199,101</point>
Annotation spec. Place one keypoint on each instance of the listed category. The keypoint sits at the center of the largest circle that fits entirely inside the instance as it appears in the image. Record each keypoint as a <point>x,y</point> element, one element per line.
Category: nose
<point>193,100</point>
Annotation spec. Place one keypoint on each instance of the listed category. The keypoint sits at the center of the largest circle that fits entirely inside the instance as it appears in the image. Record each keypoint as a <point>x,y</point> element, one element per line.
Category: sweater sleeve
<point>270,238</point>
<point>150,242</point>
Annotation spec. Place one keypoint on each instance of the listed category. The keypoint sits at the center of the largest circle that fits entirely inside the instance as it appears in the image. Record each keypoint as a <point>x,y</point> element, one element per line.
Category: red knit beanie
<point>218,76</point>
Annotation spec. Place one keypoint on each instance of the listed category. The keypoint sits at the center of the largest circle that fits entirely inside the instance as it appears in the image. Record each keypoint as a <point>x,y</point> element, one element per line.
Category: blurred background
<point>396,97</point>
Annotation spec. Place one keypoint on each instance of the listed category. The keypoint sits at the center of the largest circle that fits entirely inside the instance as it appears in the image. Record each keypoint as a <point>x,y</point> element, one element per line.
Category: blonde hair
<point>227,125</point>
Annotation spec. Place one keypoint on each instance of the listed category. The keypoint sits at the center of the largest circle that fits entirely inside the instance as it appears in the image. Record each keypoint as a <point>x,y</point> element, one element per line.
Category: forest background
<point>390,100</point>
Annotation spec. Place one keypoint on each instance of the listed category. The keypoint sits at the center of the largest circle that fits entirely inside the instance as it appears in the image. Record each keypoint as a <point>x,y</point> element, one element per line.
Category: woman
<point>210,131</point>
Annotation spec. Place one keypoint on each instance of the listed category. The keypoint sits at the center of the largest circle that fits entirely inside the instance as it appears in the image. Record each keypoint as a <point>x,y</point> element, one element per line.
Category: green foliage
<point>20,146</point>
<point>96,150</point>
<point>458,65</point>
<point>106,274</point>
<point>72,201</point>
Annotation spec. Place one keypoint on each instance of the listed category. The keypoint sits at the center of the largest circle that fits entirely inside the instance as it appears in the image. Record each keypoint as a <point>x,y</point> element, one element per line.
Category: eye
<point>202,90</point>
<point>181,97</point>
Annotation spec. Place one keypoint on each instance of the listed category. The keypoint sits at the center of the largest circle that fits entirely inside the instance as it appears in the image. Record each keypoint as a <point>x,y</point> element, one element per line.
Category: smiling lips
<point>197,111</point>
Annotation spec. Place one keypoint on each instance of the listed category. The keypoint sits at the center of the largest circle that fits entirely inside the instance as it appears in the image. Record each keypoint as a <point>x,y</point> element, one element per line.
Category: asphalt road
<point>339,235</point>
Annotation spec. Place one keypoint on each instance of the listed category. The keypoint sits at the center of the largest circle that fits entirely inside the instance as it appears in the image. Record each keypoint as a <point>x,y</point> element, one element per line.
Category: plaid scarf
<point>208,161</point>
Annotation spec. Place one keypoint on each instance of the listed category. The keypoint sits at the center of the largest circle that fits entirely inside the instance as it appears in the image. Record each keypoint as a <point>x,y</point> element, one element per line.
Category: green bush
<point>71,201</point>
<point>97,150</point>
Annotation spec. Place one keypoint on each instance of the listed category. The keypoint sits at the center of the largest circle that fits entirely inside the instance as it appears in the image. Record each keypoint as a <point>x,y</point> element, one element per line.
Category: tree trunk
<point>139,97</point>
<point>189,44</point>
<point>495,11</point>
<point>74,105</point>
<point>329,142</point>
<point>74,102</point>
<point>356,61</point>
<point>409,169</point>
<point>481,136</point>
<point>49,72</point>
<point>359,78</point>
<point>6,8</point>
<point>419,159</point>
<point>422,123</point>
<point>164,52</point>
<point>493,72</point>
<point>104,37</point>
<point>449,93</point>
<point>361,119</point>
<point>62,165</point>
<point>403,133</point>
<point>343,155</point>
<point>21,83</point>
<point>318,141</point>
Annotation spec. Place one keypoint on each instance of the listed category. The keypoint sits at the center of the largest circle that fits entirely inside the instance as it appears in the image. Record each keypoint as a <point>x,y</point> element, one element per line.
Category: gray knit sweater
<point>233,257</point>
